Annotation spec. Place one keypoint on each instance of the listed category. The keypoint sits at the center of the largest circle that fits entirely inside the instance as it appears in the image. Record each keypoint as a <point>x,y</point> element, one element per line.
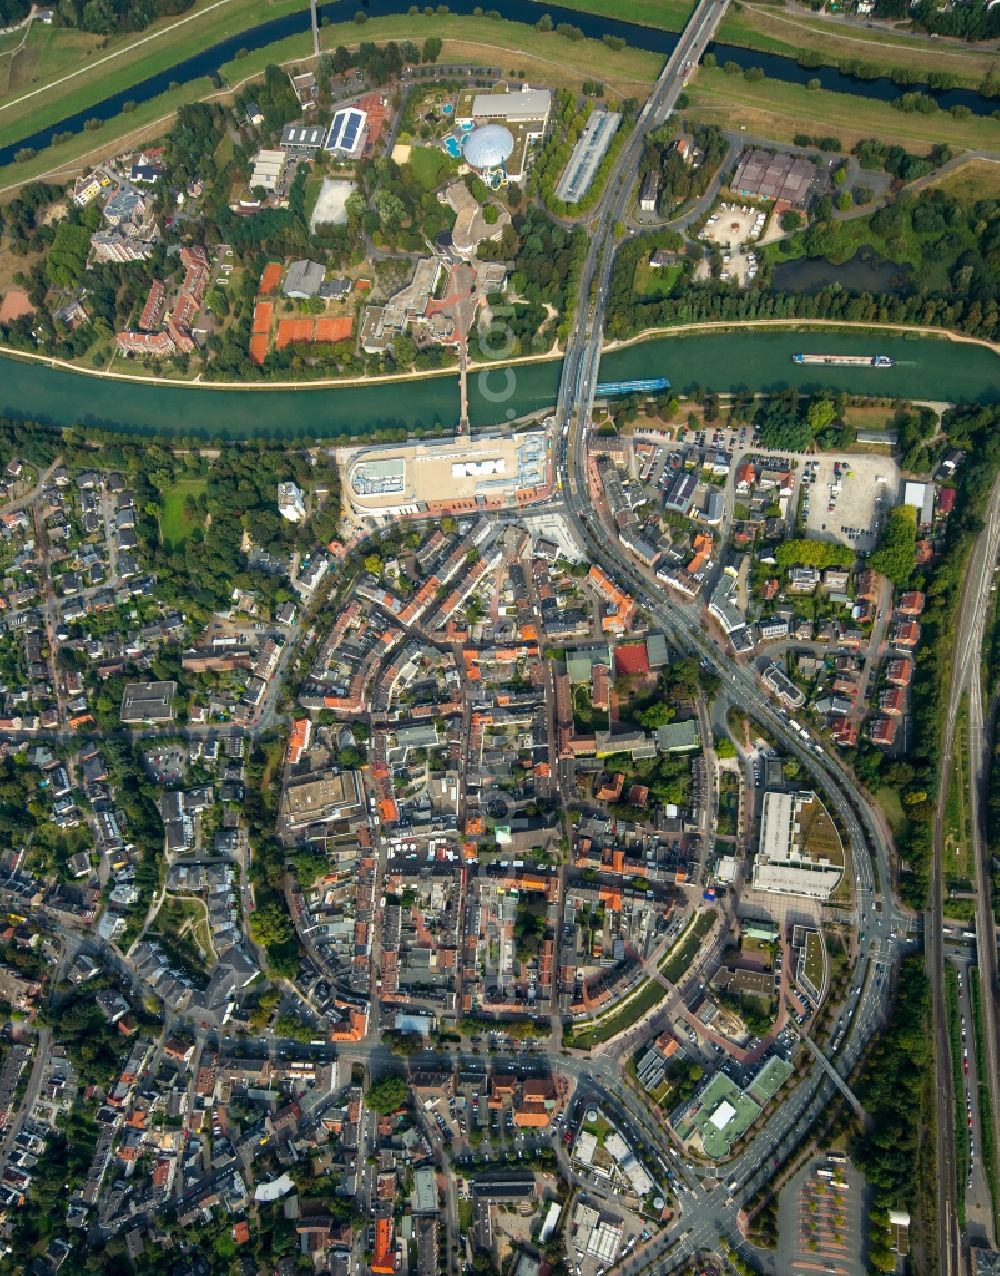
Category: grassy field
<point>489,42</point>
<point>648,995</point>
<point>275,750</point>
<point>181,927</point>
<point>174,526</point>
<point>678,961</point>
<point>125,61</point>
<point>892,809</point>
<point>45,54</point>
<point>788,34</point>
<point>147,121</point>
<point>974,180</point>
<point>668,15</point>
<point>729,804</point>
<point>773,109</point>
<point>959,862</point>
<point>654,282</point>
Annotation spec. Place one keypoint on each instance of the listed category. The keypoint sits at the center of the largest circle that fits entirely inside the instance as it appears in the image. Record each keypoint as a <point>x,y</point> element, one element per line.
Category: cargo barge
<point>847,360</point>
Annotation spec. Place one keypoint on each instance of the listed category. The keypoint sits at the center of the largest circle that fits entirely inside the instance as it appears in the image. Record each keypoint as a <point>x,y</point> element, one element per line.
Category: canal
<point>210,60</point>
<point>926,368</point>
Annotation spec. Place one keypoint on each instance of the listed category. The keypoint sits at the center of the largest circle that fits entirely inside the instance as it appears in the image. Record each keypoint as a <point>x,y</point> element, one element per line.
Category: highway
<point>883,927</point>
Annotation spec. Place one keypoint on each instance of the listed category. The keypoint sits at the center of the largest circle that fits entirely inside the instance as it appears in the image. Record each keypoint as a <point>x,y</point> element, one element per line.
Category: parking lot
<point>844,499</point>
<point>820,1220</point>
<point>732,224</point>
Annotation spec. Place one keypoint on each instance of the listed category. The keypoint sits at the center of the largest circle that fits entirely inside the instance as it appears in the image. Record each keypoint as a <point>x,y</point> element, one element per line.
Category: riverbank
<point>801,325</point>
<point>778,109</point>
<point>116,84</point>
<point>719,329</point>
<point>834,39</point>
<point>123,61</point>
<point>480,41</point>
<point>756,356</point>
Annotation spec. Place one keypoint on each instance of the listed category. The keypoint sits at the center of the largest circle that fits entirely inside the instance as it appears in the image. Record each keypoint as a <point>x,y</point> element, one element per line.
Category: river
<point>209,60</point>
<point>926,368</point>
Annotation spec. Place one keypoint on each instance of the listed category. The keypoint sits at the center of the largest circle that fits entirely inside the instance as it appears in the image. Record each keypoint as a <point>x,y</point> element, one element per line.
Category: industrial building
<point>590,149</point>
<point>921,497</point>
<point>781,178</point>
<point>447,475</point>
<point>800,851</point>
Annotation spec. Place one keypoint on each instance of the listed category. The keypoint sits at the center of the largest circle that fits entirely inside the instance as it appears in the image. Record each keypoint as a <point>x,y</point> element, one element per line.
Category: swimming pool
<point>467,126</point>
<point>453,146</point>
<point>447,109</point>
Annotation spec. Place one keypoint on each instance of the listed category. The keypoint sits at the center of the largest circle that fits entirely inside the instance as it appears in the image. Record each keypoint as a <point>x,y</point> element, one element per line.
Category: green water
<point>925,369</point>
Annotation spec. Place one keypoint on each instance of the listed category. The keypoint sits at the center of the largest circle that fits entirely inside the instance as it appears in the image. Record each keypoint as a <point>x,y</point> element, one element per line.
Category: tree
<point>270,926</point>
<point>781,427</point>
<point>387,1095</point>
<point>820,413</point>
<point>791,220</point>
<point>390,208</point>
<point>432,49</point>
<point>656,715</point>
<point>806,553</point>
<point>895,554</point>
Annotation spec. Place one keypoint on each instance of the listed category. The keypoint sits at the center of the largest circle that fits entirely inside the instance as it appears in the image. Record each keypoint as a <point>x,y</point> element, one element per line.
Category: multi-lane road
<point>708,1215</point>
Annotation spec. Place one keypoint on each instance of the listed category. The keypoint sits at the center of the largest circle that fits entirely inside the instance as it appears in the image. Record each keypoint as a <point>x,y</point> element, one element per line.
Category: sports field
<point>271,277</point>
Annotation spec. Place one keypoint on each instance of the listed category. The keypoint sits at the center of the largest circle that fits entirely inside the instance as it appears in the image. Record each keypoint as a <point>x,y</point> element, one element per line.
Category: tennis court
<point>262,314</point>
<point>258,347</point>
<point>271,277</point>
<point>334,329</point>
<point>292,330</point>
